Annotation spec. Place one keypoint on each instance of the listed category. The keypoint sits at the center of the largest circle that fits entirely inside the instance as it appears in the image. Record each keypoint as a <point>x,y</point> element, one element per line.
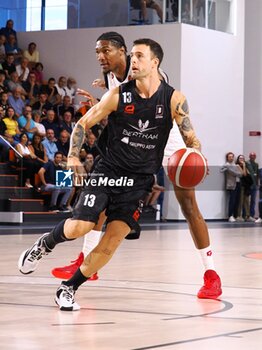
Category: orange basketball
<point>187,167</point>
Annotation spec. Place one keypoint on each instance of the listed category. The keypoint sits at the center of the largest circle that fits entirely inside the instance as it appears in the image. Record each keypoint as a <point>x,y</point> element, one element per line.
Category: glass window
<point>55,14</point>
<point>33,15</point>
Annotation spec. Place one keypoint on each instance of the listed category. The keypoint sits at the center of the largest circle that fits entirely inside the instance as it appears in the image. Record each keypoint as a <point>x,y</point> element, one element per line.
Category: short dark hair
<point>58,152</point>
<point>115,38</point>
<point>154,47</point>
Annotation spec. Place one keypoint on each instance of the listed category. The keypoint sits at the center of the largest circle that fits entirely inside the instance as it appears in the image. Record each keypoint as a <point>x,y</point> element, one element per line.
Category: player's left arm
<point>180,115</point>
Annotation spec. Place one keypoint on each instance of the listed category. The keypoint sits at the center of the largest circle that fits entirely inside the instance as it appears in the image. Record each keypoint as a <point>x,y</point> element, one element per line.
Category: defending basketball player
<point>138,159</point>
<point>112,56</point>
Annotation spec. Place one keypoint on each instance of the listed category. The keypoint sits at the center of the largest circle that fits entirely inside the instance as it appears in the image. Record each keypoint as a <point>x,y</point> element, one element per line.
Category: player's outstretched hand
<point>77,167</point>
<point>91,100</point>
<point>99,83</point>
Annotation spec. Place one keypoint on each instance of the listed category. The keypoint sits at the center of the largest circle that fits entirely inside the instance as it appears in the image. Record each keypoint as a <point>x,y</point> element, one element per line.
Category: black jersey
<point>139,129</point>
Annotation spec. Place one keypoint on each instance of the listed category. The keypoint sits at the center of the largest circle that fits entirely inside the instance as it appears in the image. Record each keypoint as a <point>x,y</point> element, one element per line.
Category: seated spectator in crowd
<point>22,69</point>
<point>8,29</point>
<point>15,83</point>
<point>29,161</point>
<point>233,173</point>
<point>32,54</point>
<point>62,144</point>
<point>50,122</point>
<point>50,144</point>
<point>38,70</point>
<point>12,47</point>
<point>40,127</point>
<point>26,123</point>
<point>66,123</point>
<point>70,89</point>
<point>3,146</point>
<point>43,105</point>
<point>2,48</point>
<point>60,86</point>
<point>87,159</point>
<point>31,88</point>
<point>12,129</point>
<point>38,149</point>
<point>4,101</point>
<point>3,87</point>
<point>8,65</point>
<point>51,91</point>
<point>64,107</point>
<point>16,101</point>
<point>90,145</point>
<point>47,175</point>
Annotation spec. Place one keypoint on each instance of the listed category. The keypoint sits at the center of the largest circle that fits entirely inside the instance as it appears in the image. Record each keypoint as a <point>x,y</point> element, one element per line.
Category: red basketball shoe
<point>212,286</point>
<point>67,272</point>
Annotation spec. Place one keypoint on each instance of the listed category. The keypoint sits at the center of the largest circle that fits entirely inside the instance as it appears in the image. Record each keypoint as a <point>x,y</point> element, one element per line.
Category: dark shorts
<point>121,194</point>
<point>136,4</point>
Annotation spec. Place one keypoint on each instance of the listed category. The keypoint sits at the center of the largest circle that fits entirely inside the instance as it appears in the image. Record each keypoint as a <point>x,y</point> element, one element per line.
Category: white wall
<point>253,78</point>
<point>206,65</point>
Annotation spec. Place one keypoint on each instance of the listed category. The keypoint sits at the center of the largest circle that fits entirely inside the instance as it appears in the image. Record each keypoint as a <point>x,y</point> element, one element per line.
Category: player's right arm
<point>180,114</point>
<point>102,109</point>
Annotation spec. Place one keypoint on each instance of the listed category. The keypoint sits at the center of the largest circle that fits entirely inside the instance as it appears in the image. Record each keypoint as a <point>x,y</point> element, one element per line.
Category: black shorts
<point>121,194</point>
<point>136,4</point>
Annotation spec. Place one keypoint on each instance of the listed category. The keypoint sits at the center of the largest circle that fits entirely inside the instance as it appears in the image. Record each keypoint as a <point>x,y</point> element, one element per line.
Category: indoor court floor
<point>145,297</point>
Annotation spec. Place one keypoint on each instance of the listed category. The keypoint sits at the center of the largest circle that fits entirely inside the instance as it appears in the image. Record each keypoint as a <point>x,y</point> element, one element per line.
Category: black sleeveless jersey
<point>139,129</point>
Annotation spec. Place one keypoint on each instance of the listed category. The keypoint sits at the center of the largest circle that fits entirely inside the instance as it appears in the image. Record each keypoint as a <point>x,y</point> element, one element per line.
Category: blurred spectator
<point>32,54</point>
<point>64,107</point>
<point>38,149</point>
<point>66,123</point>
<point>15,83</point>
<point>4,101</point>
<point>259,219</point>
<point>60,86</point>
<point>233,174</point>
<point>90,145</point>
<point>87,159</point>
<point>12,129</point>
<point>38,70</point>
<point>12,47</point>
<point>43,105</point>
<point>31,88</point>
<point>50,122</point>
<point>49,144</point>
<point>2,48</point>
<point>29,161</point>
<point>48,177</point>
<point>22,69</point>
<point>40,127</point>
<point>51,91</point>
<point>3,146</point>
<point>8,29</point>
<point>8,65</point>
<point>143,5</point>
<point>70,89</point>
<point>26,123</point>
<point>253,167</point>
<point>3,87</point>
<point>16,101</point>
<point>245,182</point>
<point>62,144</point>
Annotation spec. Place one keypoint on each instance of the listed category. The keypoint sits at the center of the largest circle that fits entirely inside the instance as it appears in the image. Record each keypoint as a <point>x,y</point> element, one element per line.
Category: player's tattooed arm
<point>77,139</point>
<point>180,113</point>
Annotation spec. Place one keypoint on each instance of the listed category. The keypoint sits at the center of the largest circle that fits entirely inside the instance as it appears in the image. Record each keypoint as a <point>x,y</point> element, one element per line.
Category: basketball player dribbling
<point>112,56</point>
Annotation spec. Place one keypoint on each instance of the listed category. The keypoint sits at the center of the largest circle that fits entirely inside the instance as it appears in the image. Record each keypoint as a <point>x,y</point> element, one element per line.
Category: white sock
<point>206,256</point>
<point>91,240</point>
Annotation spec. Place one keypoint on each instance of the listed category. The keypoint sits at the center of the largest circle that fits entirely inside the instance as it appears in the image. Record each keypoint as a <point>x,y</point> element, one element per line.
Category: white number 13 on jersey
<point>89,200</point>
<point>127,97</point>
